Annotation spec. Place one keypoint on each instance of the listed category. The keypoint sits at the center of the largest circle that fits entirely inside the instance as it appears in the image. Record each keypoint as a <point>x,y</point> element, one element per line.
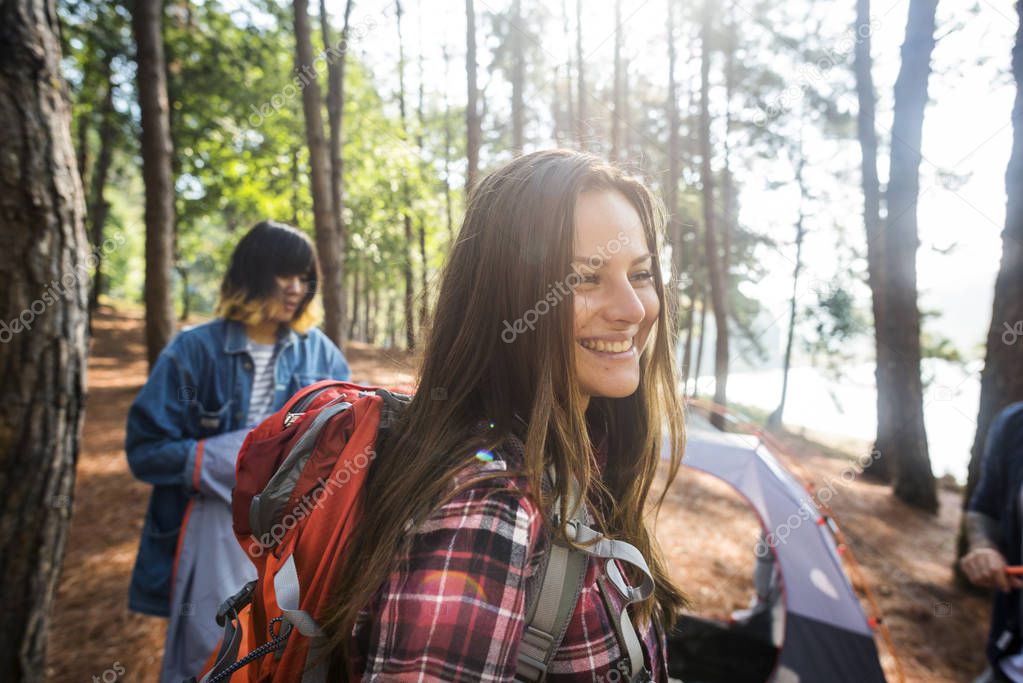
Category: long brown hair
<point>515,245</point>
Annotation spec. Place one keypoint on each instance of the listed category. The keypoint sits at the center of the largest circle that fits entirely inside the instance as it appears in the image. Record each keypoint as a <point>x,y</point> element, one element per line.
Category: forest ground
<point>706,532</point>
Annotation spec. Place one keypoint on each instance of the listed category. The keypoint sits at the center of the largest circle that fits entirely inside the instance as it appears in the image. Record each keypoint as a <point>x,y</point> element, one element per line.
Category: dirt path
<point>706,531</point>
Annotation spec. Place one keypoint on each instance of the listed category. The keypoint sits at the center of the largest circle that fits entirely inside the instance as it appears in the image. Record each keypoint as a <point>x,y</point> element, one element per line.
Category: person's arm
<point>454,609</point>
<point>984,564</point>
<point>337,363</point>
<point>158,450</point>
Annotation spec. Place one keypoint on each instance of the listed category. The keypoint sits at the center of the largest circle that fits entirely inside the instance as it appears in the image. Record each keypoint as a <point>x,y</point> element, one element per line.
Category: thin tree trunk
<point>354,324</point>
<point>626,113</point>
<point>44,351</point>
<point>147,21</point>
<point>518,78</point>
<point>580,80</point>
<point>472,116</point>
<point>421,118</point>
<point>82,130</point>
<point>327,237</point>
<point>699,345</point>
<point>100,206</point>
<point>671,196</point>
<point>714,274</point>
<point>448,212</point>
<point>335,121</point>
<point>369,312</point>
<point>879,467</point>
<point>570,126</point>
<point>616,124</point>
<point>774,421</point>
<point>406,211</point>
<point>914,481</point>
<point>1001,381</point>
<point>295,176</point>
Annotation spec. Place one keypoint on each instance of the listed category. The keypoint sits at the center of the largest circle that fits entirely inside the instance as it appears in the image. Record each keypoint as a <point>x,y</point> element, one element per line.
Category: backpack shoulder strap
<point>551,607</point>
<point>549,612</point>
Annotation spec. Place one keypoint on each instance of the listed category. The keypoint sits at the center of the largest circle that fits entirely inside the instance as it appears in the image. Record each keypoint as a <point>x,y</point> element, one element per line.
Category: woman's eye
<point>645,275</point>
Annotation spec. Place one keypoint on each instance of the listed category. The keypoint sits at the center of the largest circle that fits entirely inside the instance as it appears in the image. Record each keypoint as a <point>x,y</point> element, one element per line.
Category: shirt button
<point>248,365</point>
<point>238,416</point>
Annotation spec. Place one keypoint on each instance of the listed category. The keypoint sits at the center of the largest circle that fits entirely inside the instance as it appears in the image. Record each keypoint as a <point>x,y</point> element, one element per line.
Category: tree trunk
<point>570,126</point>
<point>774,421</point>
<point>100,207</point>
<point>714,274</point>
<point>580,79</point>
<point>518,78</point>
<point>296,173</point>
<point>327,237</point>
<point>472,116</point>
<point>406,210</point>
<point>448,212</point>
<point>699,344</point>
<point>369,313</point>
<point>675,235</point>
<point>43,339</point>
<point>1001,381</point>
<point>147,22</point>
<point>616,124</point>
<point>354,323</point>
<point>907,440</point>
<point>879,467</point>
<point>335,120</point>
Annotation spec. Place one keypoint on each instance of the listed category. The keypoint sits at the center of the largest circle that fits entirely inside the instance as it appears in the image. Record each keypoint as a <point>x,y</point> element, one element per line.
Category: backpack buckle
<point>230,607</point>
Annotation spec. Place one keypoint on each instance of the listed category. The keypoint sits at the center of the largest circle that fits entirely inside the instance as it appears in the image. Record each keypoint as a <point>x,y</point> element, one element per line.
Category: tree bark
<point>147,24</point>
<point>335,122</point>
<point>472,116</point>
<point>327,237</point>
<point>907,439</point>
<point>714,274</point>
<point>448,209</point>
<point>879,467</point>
<point>1001,381</point>
<point>43,321</point>
<point>699,342</point>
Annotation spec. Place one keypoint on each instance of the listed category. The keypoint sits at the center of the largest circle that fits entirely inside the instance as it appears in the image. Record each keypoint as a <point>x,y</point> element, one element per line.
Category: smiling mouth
<point>606,347</point>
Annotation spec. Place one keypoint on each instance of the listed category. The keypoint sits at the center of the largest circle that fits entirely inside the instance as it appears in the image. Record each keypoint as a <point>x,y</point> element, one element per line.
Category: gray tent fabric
<point>826,633</point>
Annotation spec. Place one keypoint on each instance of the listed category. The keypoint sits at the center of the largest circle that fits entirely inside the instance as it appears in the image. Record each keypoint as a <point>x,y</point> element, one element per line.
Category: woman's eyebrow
<point>585,260</point>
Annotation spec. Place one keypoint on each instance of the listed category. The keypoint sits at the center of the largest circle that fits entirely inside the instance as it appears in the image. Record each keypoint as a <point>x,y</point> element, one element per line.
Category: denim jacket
<point>198,390</point>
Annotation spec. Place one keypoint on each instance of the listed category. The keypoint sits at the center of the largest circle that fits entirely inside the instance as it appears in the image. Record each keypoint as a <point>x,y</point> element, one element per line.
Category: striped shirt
<point>454,608</point>
<point>263,381</point>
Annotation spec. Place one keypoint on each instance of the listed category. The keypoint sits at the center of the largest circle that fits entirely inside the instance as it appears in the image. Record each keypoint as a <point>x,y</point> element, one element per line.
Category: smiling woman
<point>471,491</point>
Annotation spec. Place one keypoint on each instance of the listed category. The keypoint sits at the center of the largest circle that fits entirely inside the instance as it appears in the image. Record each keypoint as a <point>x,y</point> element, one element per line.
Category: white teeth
<point>607,347</point>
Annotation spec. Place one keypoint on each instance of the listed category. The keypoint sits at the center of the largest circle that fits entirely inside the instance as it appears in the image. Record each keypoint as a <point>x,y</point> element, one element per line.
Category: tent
<point>825,636</point>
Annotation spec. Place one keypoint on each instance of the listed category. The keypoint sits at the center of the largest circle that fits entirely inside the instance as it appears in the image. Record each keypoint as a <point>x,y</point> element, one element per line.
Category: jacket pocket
<point>210,422</point>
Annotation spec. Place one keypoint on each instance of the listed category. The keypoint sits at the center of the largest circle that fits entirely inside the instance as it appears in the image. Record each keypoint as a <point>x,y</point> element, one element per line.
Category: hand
<point>986,567</point>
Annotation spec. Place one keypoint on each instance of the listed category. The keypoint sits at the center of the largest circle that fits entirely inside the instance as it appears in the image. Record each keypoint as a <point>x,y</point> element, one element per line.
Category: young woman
<point>551,347</point>
<point>210,385</point>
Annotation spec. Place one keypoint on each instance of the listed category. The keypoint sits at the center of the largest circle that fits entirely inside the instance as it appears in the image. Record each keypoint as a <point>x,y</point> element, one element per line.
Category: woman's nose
<point>623,303</point>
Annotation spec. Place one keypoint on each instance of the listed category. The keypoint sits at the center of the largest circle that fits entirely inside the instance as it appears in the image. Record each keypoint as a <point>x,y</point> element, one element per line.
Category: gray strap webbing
<point>562,582</point>
<point>288,596</point>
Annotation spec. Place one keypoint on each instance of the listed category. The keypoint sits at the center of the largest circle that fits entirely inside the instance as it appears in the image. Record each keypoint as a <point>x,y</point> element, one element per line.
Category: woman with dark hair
<point>208,388</point>
<point>551,352</point>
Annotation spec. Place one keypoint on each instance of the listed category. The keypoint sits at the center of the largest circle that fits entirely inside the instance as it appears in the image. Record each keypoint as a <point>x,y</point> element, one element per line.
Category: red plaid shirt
<point>454,610</point>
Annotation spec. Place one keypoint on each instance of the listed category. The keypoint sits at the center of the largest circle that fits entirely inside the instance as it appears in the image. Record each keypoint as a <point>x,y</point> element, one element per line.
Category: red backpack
<point>296,502</point>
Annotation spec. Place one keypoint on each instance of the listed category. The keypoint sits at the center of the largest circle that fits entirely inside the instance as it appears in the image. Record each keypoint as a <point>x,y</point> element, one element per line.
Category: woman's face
<point>291,289</point>
<point>615,302</point>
